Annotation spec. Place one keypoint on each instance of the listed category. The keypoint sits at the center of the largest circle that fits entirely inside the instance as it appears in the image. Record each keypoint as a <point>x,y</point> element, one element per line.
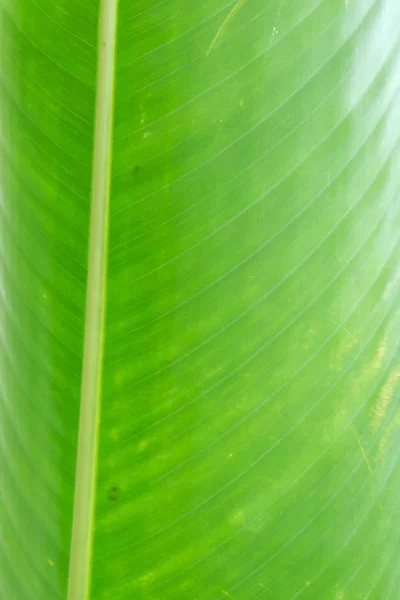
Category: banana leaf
<point>199,299</point>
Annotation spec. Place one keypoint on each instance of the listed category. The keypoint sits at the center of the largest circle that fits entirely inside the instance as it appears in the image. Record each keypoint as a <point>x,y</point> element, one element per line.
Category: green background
<point>250,421</point>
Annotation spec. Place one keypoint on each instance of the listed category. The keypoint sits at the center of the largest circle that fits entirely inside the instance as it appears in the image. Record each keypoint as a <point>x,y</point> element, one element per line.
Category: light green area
<point>249,434</point>
<point>83,523</point>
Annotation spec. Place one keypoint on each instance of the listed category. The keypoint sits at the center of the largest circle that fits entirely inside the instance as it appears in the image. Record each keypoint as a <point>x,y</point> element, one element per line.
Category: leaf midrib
<point>84,499</point>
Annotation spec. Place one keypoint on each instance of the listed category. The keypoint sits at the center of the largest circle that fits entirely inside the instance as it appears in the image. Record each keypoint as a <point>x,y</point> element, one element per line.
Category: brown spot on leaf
<point>113,493</point>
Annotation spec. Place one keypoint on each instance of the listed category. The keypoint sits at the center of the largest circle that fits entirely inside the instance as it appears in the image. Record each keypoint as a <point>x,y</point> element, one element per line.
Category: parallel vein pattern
<point>248,364</point>
<point>254,226</point>
<point>47,93</point>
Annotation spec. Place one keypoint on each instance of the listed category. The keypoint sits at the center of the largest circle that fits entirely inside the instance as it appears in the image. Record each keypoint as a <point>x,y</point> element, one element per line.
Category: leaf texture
<point>248,415</point>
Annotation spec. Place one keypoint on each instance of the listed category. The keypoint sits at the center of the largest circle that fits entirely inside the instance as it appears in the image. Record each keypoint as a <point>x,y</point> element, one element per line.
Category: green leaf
<point>199,299</point>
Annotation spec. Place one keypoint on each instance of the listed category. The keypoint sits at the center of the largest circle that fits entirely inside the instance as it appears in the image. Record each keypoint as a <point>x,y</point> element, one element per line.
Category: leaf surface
<point>243,440</point>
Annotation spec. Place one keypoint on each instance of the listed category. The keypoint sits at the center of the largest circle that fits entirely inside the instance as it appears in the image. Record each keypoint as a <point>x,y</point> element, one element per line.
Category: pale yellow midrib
<point>84,500</point>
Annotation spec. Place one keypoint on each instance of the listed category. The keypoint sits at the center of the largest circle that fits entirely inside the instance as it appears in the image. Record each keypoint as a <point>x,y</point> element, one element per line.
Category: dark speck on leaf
<point>113,493</point>
<point>136,170</point>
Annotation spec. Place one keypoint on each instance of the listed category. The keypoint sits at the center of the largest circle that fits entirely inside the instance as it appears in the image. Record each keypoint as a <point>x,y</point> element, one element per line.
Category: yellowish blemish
<point>238,517</point>
<point>221,30</point>
<point>50,562</point>
<point>385,397</point>
<point>143,445</point>
<point>376,362</point>
<point>147,579</point>
<point>114,434</point>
